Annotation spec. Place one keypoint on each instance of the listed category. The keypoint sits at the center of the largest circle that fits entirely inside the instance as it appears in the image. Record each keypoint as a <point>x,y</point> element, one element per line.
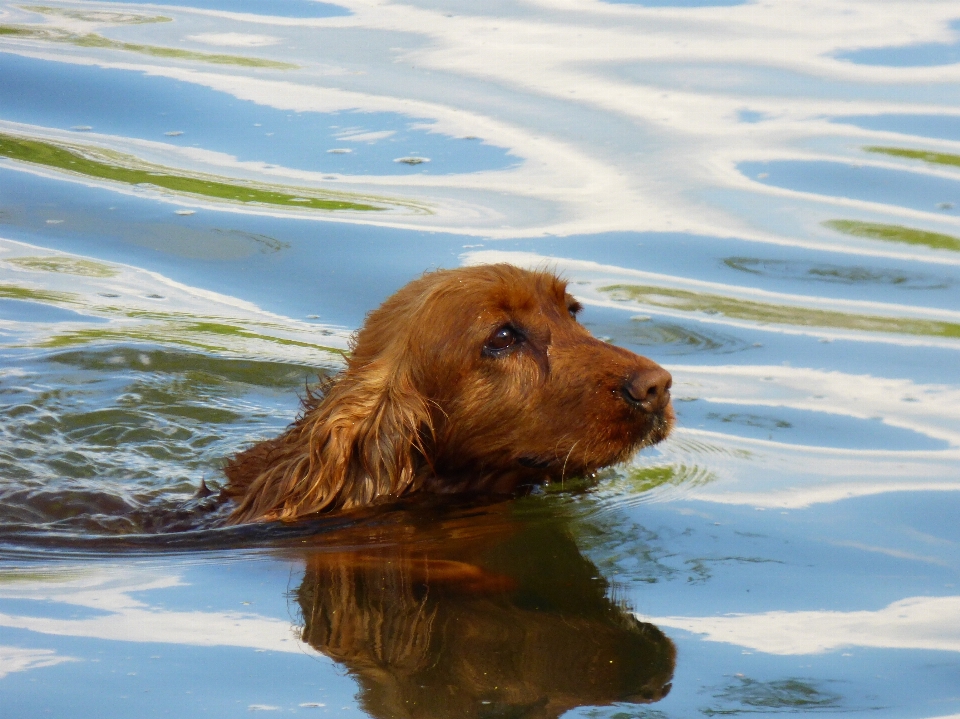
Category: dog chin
<point>663,423</point>
<point>661,426</point>
<point>657,429</point>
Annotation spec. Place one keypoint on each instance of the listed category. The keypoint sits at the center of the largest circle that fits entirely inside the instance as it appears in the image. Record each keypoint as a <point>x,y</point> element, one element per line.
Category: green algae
<point>73,159</point>
<point>94,40</point>
<point>211,334</point>
<point>56,575</point>
<point>206,336</point>
<point>895,233</point>
<point>639,480</point>
<point>747,696</point>
<point>98,16</point>
<point>64,265</point>
<point>211,370</point>
<point>647,478</point>
<point>16,292</point>
<point>935,158</point>
<point>766,313</point>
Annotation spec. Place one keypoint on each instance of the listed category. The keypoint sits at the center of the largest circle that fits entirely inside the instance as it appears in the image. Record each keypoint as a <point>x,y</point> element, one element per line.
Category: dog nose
<point>648,389</point>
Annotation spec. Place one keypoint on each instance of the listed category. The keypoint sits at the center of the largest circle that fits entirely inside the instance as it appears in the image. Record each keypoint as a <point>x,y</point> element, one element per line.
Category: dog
<point>478,380</point>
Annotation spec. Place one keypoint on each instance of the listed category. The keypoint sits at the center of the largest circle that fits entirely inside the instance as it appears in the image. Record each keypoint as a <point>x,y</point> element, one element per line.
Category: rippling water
<point>200,200</point>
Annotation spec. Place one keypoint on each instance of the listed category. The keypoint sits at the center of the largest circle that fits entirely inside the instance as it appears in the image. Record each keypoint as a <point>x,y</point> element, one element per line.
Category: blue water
<point>25,311</point>
<point>65,96</point>
<point>680,3</point>
<point>275,8</point>
<point>941,127</point>
<point>790,550</point>
<point>802,427</point>
<point>762,81</point>
<point>925,54</point>
<point>860,182</point>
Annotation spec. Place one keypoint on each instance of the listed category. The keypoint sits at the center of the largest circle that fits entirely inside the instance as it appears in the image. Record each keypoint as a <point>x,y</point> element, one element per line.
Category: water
<point>763,198</point>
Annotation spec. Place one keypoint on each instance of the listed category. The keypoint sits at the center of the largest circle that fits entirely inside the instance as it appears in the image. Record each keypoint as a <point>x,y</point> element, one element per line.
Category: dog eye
<point>574,309</point>
<point>503,339</point>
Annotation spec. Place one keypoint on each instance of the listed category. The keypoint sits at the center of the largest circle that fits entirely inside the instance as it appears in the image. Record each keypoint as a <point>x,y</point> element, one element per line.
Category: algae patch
<point>139,307</point>
<point>644,479</point>
<point>64,265</point>
<point>935,158</point>
<point>51,34</point>
<point>83,161</point>
<point>766,313</point>
<point>895,233</point>
<point>211,334</point>
<point>96,16</point>
<point>17,292</point>
<point>746,695</point>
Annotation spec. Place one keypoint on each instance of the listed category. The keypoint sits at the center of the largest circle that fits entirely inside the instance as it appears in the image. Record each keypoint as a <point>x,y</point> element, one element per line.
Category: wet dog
<point>474,380</point>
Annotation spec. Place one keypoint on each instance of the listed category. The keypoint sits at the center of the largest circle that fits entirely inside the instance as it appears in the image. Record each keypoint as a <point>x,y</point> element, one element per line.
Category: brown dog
<point>479,380</point>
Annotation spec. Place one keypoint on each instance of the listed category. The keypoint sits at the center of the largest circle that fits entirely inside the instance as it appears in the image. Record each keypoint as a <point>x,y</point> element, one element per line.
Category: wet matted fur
<point>473,380</point>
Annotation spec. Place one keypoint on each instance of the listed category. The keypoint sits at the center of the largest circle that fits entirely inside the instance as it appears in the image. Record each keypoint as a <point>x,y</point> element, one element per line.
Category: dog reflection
<point>520,628</point>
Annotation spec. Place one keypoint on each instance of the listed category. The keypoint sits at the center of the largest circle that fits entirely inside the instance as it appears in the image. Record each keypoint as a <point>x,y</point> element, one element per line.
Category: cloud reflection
<point>117,615</point>
<point>17,659</point>
<point>930,623</point>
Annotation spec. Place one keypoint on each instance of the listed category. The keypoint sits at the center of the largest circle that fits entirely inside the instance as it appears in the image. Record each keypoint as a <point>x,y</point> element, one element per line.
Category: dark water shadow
<point>477,613</point>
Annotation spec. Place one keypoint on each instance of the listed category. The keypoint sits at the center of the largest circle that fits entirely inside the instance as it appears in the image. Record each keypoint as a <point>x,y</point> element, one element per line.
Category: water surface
<point>766,202</point>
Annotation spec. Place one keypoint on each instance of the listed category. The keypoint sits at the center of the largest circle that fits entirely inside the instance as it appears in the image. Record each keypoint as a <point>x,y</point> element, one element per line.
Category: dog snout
<point>648,389</point>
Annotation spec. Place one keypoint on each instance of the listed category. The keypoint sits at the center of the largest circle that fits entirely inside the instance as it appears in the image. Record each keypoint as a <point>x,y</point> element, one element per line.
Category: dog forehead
<point>511,290</point>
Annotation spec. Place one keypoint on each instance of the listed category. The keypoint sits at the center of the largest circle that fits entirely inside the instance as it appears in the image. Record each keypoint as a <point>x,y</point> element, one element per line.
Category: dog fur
<point>472,380</point>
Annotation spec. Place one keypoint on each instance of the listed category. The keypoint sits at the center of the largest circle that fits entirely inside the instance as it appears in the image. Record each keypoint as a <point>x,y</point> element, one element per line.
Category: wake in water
<point>129,441</point>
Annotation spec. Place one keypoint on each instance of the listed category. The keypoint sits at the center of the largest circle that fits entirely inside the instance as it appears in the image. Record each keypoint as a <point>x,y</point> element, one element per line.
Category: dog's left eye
<point>503,339</point>
<point>574,309</point>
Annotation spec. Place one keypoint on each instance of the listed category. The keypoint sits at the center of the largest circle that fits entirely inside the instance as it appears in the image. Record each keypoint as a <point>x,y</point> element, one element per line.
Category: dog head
<point>514,384</point>
<point>476,379</point>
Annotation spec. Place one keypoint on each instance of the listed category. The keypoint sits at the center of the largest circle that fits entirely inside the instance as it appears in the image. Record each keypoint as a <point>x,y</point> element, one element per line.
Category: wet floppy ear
<point>364,441</point>
<point>385,443</point>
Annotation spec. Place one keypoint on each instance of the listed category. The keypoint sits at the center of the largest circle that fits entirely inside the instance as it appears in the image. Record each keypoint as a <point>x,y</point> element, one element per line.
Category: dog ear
<point>363,441</point>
